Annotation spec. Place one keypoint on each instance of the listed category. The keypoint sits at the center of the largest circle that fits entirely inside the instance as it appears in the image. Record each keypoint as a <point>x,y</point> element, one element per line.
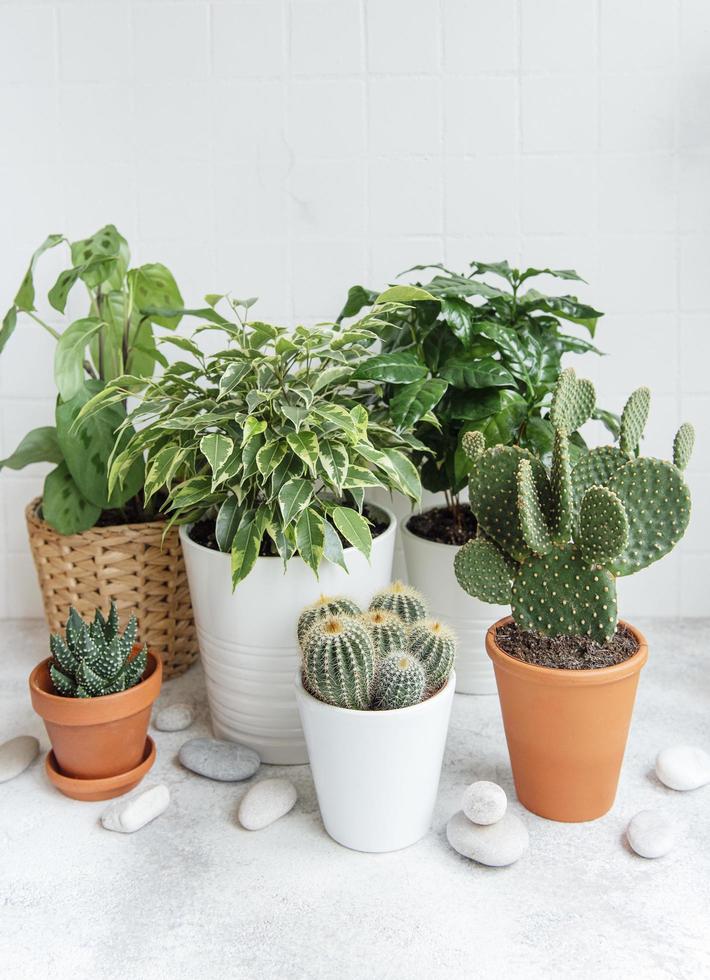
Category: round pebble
<point>215,758</point>
<point>174,718</point>
<point>683,767</point>
<point>126,816</point>
<point>16,755</point>
<point>265,802</point>
<point>496,845</point>
<point>483,802</point>
<point>650,834</point>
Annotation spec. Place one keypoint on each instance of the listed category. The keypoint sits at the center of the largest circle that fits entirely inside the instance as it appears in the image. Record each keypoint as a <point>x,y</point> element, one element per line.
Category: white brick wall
<point>289,148</point>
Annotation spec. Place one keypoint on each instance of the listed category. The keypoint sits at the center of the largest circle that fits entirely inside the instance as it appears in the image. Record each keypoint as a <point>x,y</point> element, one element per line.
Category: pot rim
<point>32,513</point>
<point>565,677</point>
<point>368,712</point>
<point>72,712</point>
<point>187,541</point>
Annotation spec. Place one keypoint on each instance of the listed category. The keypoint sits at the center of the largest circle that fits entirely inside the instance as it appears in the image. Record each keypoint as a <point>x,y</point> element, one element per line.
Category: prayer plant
<point>115,336</point>
<point>269,436</point>
<point>467,355</point>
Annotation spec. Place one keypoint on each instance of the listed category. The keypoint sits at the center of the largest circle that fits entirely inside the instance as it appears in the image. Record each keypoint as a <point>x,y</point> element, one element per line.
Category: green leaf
<point>400,367</point>
<point>310,536</point>
<point>294,495</point>
<point>217,449</point>
<point>234,373</point>
<point>358,298</point>
<point>557,273</point>
<point>502,427</point>
<point>252,427</point>
<point>305,446</point>
<point>567,307</point>
<point>162,469</point>
<point>333,547</point>
<point>102,258</point>
<point>39,446</point>
<point>269,457</point>
<point>354,528</point>
<point>59,293</point>
<point>460,316</point>
<point>333,462</point>
<point>25,298</point>
<point>8,326</point>
<point>246,544</point>
<point>69,356</point>
<point>472,406</point>
<point>470,371</point>
<point>227,523</point>
<point>406,475</point>
<point>154,286</point>
<point>63,506</point>
<point>404,294</point>
<point>412,402</point>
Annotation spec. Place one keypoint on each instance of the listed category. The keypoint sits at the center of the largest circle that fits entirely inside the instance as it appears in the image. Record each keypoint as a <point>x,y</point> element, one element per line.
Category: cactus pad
<point>386,629</point>
<point>573,401</point>
<point>595,469</point>
<point>558,594</point>
<point>484,571</point>
<point>401,682</point>
<point>683,445</point>
<point>473,444</point>
<point>562,507</point>
<point>339,662</point>
<point>603,526</point>
<point>321,610</point>
<point>435,646</point>
<point>532,520</point>
<point>657,504</point>
<point>402,600</point>
<point>633,420</point>
<point>493,494</point>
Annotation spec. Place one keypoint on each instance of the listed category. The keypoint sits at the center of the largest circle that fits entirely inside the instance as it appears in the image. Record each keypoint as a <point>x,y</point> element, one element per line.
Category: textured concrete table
<point>194,895</point>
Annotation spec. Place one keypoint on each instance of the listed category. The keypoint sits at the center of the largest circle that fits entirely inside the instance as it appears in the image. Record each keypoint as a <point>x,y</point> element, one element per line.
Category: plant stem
<point>46,326</point>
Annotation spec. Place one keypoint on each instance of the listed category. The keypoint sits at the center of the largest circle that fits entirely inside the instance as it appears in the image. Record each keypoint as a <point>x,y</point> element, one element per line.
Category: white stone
<point>128,815</point>
<point>16,755</point>
<point>496,844</point>
<point>683,767</point>
<point>174,718</point>
<point>650,834</point>
<point>265,802</point>
<point>484,802</point>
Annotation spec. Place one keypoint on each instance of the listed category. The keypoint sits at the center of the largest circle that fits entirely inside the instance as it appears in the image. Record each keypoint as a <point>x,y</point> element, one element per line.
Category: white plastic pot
<point>430,567</point>
<point>247,638</point>
<point>376,773</point>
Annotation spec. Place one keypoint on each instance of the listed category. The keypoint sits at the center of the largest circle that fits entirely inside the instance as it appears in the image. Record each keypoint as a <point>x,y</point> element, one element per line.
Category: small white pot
<point>431,570</point>
<point>376,773</point>
<point>248,640</point>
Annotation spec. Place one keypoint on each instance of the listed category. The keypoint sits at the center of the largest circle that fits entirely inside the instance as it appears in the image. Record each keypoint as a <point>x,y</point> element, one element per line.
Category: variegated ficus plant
<point>269,436</point>
<point>552,542</point>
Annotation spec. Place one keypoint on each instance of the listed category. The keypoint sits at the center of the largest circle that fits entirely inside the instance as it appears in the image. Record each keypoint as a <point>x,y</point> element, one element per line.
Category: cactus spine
<point>401,682</point>
<point>553,544</point>
<point>435,646</point>
<point>339,662</point>
<point>321,610</point>
<point>402,600</point>
<point>386,629</point>
<point>95,660</point>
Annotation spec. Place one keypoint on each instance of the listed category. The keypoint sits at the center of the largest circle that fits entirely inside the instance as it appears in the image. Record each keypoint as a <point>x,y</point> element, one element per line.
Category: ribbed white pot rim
<point>425,541</point>
<point>370,712</point>
<point>184,531</point>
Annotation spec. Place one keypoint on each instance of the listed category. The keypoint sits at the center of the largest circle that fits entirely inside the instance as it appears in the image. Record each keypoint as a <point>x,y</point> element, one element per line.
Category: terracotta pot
<point>95,738</point>
<point>566,730</point>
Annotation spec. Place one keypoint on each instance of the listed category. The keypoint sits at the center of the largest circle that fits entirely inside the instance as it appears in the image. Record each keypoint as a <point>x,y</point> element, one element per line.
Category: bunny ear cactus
<point>553,545</point>
<point>95,660</point>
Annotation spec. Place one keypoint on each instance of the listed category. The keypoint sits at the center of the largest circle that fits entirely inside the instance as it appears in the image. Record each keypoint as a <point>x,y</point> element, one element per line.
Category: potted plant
<point>95,695</point>
<point>91,545</point>
<point>552,543</point>
<point>374,694</point>
<point>463,356</point>
<point>276,450</point>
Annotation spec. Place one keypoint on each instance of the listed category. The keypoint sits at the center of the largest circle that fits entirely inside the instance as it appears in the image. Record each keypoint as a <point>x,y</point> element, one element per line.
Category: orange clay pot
<point>96,738</point>
<point>566,730</point>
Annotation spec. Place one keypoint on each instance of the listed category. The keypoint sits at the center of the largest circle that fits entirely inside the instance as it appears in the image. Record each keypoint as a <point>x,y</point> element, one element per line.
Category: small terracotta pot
<point>95,738</point>
<point>566,730</point>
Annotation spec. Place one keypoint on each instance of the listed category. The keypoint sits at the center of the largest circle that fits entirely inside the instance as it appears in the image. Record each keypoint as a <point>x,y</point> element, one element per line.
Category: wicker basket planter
<point>129,564</point>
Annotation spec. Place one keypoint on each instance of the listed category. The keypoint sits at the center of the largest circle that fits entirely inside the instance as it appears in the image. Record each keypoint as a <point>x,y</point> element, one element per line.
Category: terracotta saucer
<point>100,789</point>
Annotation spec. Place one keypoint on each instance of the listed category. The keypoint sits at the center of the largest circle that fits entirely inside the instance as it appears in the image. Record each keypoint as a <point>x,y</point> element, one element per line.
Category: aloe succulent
<point>93,660</point>
<point>552,543</point>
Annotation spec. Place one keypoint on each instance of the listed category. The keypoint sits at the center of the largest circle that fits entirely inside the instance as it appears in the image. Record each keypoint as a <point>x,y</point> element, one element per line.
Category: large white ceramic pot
<point>430,566</point>
<point>403,509</point>
<point>247,638</point>
<point>376,773</point>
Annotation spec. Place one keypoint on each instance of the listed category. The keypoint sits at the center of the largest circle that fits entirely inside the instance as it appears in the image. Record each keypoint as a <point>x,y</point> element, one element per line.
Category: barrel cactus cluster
<point>94,659</point>
<point>552,541</point>
<point>387,657</point>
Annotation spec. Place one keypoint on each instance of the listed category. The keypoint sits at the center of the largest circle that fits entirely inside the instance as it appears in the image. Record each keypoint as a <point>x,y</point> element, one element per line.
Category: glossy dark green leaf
<point>474,405</point>
<point>412,402</point>
<point>358,298</point>
<point>466,371</point>
<point>400,367</point>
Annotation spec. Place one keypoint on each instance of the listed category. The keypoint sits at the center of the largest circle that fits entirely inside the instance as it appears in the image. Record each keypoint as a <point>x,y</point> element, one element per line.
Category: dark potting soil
<point>203,533</point>
<point>442,525</point>
<point>566,652</point>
